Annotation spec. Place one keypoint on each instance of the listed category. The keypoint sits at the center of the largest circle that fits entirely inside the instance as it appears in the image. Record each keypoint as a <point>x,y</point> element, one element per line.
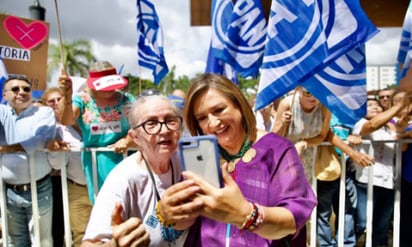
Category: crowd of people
<point>145,199</point>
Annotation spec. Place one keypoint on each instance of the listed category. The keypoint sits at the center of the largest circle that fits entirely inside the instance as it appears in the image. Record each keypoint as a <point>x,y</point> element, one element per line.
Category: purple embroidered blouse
<point>275,177</point>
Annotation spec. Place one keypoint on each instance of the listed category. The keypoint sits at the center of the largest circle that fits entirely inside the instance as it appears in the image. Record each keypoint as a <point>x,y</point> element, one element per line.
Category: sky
<point>110,26</point>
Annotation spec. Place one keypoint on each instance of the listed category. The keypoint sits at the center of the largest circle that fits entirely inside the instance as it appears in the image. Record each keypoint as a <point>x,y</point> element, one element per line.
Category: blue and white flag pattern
<point>301,45</point>
<point>221,11</point>
<point>405,47</point>
<point>216,66</point>
<point>244,42</point>
<point>3,78</point>
<point>342,86</point>
<point>150,40</point>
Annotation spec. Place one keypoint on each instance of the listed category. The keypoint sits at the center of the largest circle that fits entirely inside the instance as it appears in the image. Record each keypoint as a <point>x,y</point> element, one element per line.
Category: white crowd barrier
<point>66,214</point>
<point>313,241</point>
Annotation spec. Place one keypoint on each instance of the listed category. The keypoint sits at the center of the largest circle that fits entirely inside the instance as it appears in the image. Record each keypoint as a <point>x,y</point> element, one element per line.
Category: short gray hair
<point>134,116</point>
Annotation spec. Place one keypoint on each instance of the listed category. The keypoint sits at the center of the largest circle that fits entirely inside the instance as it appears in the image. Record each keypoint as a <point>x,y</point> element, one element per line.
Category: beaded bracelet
<point>258,220</point>
<point>160,217</point>
<point>247,218</point>
<point>254,220</point>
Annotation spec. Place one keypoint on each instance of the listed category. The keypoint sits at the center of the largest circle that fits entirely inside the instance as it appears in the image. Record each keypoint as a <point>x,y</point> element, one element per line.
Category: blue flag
<point>298,46</point>
<point>243,36</point>
<point>3,78</point>
<point>342,86</point>
<point>405,47</point>
<point>150,40</point>
<point>216,66</point>
<point>220,14</point>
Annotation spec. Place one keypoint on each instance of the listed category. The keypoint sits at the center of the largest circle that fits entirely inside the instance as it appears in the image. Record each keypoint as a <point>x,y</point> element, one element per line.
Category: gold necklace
<point>246,158</point>
<point>231,165</point>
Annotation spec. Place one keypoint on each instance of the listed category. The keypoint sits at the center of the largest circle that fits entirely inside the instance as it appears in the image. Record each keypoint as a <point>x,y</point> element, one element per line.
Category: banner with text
<point>23,48</point>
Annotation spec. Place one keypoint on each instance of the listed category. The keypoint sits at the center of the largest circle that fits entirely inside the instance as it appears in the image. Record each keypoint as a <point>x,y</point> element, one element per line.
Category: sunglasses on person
<point>16,89</point>
<point>54,100</point>
<point>306,93</point>
<point>384,96</point>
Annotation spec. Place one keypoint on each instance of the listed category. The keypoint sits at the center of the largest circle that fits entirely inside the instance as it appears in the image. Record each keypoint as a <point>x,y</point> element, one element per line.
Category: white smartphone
<point>199,154</point>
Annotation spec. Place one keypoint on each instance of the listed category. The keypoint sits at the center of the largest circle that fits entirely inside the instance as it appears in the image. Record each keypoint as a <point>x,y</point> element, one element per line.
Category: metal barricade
<point>313,240</point>
<point>66,213</point>
<point>369,205</point>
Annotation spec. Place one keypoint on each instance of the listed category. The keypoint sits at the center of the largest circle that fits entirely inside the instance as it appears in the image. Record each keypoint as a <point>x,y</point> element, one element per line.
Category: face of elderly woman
<point>160,141</point>
<point>53,100</point>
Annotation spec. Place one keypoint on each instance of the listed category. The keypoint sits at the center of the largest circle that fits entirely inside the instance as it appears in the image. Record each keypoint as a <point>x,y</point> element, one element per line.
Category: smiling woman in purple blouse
<point>266,199</point>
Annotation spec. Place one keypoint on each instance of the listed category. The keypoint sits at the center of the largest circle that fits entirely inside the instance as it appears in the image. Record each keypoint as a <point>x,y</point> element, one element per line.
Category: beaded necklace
<point>228,157</point>
<point>246,153</point>
<point>168,233</point>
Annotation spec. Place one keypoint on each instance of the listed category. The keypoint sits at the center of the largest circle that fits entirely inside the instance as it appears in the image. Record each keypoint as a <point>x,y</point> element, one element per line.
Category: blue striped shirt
<point>32,128</point>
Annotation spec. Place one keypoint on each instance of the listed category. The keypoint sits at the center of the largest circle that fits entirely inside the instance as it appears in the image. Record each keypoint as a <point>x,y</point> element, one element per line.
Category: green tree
<point>137,85</point>
<point>170,82</point>
<point>248,86</point>
<point>77,57</point>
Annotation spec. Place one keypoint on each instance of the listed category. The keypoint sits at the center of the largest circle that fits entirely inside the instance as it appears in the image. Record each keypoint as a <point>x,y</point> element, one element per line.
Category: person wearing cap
<point>178,101</point>
<point>24,131</point>
<point>101,113</point>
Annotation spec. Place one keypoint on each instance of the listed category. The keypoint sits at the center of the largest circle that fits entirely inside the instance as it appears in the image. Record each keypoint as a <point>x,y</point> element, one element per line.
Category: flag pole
<point>140,80</point>
<point>60,35</point>
<point>66,213</point>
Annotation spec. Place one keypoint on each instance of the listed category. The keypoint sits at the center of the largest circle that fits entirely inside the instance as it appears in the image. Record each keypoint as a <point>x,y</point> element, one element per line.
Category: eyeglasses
<point>153,127</point>
<point>306,93</point>
<point>16,89</point>
<point>384,96</point>
<point>54,100</point>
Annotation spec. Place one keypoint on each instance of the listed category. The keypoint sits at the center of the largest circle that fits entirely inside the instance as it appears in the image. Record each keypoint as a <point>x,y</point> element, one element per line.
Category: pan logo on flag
<point>308,43</point>
<point>299,36</point>
<point>346,79</point>
<point>220,20</point>
<point>249,25</point>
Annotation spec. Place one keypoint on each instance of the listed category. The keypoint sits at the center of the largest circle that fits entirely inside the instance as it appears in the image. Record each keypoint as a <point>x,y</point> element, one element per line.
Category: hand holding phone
<point>199,154</point>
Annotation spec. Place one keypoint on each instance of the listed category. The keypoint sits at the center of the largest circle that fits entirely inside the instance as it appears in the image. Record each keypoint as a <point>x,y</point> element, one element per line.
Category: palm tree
<point>77,57</point>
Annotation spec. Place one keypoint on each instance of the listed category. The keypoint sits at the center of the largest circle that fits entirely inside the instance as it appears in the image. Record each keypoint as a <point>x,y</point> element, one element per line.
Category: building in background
<point>380,76</point>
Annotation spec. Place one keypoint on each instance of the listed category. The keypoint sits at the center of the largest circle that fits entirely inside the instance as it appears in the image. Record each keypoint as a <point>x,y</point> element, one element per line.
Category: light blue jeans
<point>20,220</point>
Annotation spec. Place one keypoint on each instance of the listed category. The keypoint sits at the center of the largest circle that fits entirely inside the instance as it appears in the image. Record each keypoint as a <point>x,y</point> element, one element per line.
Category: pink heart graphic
<point>95,128</point>
<point>28,36</point>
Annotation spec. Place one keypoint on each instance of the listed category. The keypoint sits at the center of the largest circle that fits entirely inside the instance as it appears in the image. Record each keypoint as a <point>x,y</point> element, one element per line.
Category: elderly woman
<point>266,200</point>
<point>80,206</point>
<point>101,113</point>
<point>125,209</point>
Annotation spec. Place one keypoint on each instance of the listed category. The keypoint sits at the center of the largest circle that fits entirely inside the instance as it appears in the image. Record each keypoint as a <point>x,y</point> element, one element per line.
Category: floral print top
<point>100,127</point>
